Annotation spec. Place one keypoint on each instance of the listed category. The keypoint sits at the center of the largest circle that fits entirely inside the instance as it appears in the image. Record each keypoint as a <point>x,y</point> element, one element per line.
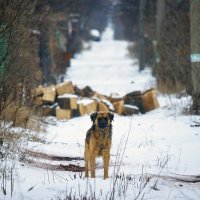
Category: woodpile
<point>149,100</point>
<point>66,101</point>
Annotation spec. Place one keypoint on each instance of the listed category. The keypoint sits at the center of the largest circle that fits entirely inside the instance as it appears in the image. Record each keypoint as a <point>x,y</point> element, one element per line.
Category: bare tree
<point>20,62</point>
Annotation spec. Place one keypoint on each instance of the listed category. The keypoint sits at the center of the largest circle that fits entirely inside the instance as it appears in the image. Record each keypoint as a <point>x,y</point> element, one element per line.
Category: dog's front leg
<point>92,165</point>
<point>106,158</point>
<point>86,158</point>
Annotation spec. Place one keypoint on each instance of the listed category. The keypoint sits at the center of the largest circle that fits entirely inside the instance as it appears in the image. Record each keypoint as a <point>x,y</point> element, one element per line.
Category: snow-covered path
<point>161,142</point>
<point>107,68</point>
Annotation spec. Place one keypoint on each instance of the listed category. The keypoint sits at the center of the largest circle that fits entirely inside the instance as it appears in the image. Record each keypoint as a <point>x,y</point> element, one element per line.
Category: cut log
<point>73,103</point>
<point>87,106</point>
<point>37,91</point>
<point>68,101</point>
<point>64,103</point>
<point>91,107</point>
<point>63,114</point>
<point>119,106</point>
<point>82,109</point>
<point>115,97</point>
<point>109,104</point>
<point>87,91</point>
<point>49,94</point>
<point>134,99</point>
<point>130,110</point>
<point>78,91</point>
<point>149,99</point>
<point>102,106</point>
<point>64,88</point>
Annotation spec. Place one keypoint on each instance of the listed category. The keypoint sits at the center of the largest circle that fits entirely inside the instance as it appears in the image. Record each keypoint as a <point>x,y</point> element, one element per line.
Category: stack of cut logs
<point>66,101</point>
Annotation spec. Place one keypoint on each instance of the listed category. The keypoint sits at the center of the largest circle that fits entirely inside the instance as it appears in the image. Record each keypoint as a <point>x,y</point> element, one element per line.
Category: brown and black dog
<point>98,141</point>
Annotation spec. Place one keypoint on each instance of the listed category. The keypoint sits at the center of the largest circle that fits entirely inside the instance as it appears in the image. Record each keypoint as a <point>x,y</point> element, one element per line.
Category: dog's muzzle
<point>102,122</point>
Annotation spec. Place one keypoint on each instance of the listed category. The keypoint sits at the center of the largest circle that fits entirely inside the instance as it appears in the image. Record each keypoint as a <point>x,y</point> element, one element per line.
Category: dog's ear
<point>111,116</point>
<point>93,116</point>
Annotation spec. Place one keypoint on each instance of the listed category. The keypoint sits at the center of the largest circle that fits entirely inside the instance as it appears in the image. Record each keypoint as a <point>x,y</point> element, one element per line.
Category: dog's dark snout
<point>103,122</point>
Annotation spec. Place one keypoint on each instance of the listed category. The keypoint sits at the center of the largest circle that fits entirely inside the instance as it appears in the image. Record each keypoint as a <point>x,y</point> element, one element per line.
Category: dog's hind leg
<point>86,158</point>
<point>86,168</point>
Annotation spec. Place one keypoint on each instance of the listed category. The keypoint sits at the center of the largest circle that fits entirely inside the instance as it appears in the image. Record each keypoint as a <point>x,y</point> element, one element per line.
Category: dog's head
<point>102,119</point>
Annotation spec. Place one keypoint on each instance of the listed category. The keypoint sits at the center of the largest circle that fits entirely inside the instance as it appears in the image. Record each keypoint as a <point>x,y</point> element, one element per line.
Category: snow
<point>95,33</point>
<point>107,68</point>
<point>68,96</point>
<point>85,101</point>
<point>160,142</point>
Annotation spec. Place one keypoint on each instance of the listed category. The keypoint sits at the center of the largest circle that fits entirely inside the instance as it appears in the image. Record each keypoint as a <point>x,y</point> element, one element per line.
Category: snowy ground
<point>159,144</point>
<point>108,69</point>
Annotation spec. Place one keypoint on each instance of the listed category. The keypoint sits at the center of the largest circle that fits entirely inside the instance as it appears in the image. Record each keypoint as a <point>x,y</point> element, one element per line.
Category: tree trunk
<point>141,35</point>
<point>160,15</point>
<point>195,52</point>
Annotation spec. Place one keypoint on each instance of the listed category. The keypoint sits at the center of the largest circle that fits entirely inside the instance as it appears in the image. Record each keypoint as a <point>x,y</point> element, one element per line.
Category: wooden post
<point>195,52</point>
